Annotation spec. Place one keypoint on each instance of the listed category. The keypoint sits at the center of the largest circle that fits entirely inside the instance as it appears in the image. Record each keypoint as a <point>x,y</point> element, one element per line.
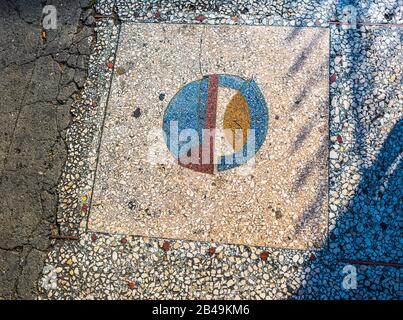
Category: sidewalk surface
<point>88,212</point>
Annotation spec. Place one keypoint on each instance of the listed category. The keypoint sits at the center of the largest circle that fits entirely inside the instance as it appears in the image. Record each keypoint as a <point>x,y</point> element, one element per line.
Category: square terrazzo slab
<point>267,86</point>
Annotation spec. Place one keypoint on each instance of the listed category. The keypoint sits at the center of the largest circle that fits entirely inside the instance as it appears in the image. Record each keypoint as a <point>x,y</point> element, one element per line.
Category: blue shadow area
<point>369,230</point>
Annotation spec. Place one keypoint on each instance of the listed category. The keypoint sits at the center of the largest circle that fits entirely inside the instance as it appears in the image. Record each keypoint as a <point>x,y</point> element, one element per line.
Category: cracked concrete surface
<point>40,80</point>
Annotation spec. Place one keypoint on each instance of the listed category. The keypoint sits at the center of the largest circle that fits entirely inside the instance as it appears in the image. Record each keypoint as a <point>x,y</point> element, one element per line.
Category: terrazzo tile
<point>276,203</point>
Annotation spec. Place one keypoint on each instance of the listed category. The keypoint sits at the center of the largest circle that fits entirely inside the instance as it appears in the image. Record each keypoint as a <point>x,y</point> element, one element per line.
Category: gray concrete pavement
<point>40,78</point>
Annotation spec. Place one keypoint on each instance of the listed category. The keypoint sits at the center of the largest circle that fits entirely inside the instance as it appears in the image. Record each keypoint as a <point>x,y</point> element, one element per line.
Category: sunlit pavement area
<point>87,213</point>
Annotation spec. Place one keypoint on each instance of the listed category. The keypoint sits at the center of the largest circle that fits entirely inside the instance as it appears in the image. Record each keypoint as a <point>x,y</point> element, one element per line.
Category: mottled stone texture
<point>283,203</point>
<point>39,78</point>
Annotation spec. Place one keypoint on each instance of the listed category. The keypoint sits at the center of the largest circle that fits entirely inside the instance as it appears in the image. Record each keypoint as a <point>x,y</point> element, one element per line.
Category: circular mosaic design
<point>216,123</point>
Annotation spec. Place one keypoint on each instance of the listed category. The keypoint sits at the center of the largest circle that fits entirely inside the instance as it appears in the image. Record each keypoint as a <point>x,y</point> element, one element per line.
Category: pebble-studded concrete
<point>364,173</point>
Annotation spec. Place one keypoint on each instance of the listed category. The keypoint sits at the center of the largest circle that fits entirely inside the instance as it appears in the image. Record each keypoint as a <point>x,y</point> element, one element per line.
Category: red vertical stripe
<point>210,124</point>
<point>211,115</point>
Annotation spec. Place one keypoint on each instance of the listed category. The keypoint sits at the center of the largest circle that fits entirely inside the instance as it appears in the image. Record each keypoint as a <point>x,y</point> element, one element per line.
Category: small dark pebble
<point>389,16</point>
<point>162,96</point>
<point>120,71</point>
<point>132,205</point>
<point>384,226</point>
<point>136,113</point>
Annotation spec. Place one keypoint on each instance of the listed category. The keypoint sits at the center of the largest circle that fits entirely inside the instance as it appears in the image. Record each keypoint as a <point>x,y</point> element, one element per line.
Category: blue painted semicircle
<point>188,109</point>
